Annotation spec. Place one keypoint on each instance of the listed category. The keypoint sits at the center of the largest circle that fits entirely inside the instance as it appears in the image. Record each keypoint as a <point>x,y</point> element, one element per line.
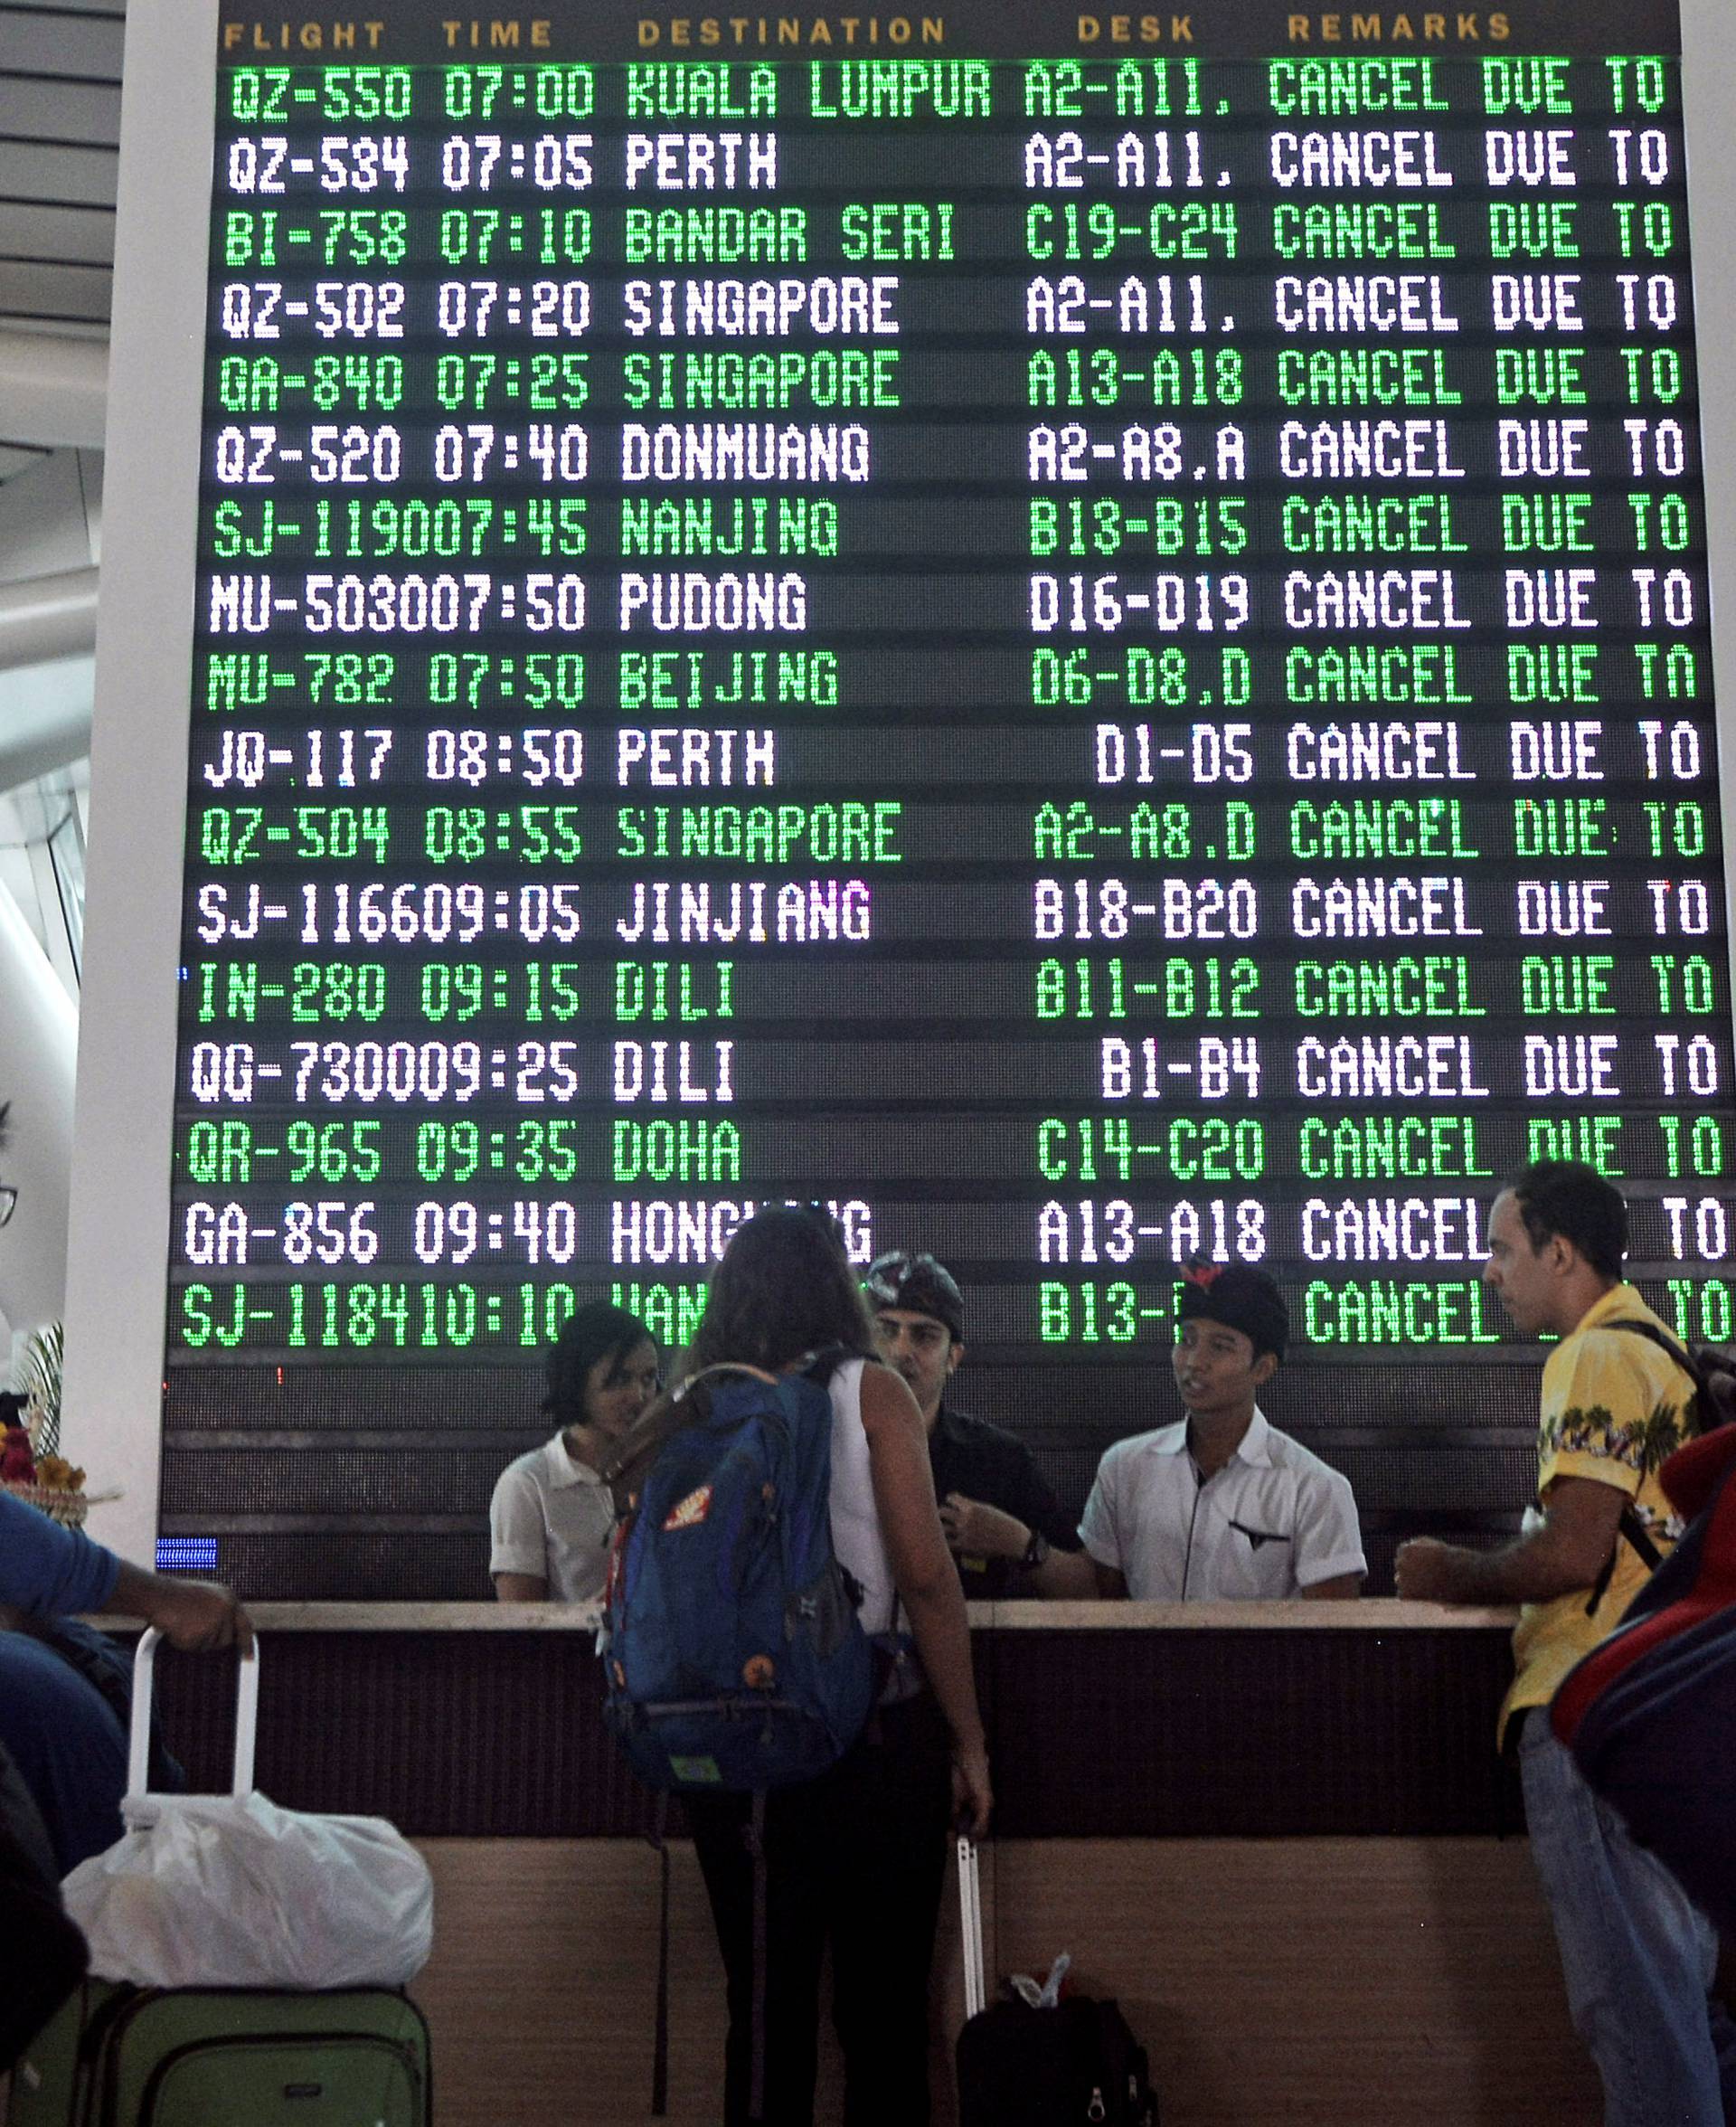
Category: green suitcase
<point>126,2056</point>
<point>45,2081</point>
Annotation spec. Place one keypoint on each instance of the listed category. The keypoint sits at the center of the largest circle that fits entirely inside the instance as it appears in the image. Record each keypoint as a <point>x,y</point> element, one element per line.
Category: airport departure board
<point>1083,634</point>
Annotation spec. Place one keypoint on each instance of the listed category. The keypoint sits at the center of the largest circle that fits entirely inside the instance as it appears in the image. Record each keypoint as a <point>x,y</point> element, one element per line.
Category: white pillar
<point>38,1041</point>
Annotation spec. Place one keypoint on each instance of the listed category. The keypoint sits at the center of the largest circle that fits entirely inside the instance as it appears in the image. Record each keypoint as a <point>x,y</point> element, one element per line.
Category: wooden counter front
<point>1105,1720</point>
<point>1233,1815</point>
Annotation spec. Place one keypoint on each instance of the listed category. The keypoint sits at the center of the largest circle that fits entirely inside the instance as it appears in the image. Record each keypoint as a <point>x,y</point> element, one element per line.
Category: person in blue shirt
<point>61,1732</point>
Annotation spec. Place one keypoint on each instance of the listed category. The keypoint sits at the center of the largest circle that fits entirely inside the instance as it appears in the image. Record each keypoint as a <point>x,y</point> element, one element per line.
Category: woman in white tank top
<point>856,1858</point>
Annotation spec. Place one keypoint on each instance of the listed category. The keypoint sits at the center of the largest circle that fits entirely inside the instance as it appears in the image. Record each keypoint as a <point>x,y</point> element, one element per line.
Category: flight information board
<point>1084,636</point>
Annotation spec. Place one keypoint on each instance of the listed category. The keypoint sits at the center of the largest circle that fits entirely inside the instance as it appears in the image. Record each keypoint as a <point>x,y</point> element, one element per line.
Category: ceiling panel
<point>35,110</point>
<point>33,292</point>
<point>66,177</point>
<point>116,8</point>
<point>59,41</point>
<point>79,236</point>
<point>59,121</point>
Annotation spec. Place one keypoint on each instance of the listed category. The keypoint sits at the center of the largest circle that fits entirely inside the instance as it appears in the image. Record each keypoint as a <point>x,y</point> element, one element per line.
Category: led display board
<point>1083,635</point>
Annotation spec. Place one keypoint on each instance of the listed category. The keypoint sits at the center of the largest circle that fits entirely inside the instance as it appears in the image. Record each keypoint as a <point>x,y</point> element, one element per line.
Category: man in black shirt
<point>1001,1519</point>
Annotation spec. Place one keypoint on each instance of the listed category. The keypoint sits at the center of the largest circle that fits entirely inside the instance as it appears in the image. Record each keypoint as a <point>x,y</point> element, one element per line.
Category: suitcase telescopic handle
<point>971,1915</point>
<point>138,1742</point>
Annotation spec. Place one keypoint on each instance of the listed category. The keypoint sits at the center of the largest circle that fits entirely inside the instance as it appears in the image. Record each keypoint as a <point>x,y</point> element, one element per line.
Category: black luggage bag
<point>1076,2064</point>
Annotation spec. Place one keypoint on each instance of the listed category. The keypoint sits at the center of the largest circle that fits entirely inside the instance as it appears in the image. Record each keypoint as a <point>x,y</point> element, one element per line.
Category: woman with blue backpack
<point>853,1855</point>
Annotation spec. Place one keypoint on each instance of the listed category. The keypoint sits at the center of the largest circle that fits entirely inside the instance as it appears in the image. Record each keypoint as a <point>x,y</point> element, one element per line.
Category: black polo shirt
<point>980,1461</point>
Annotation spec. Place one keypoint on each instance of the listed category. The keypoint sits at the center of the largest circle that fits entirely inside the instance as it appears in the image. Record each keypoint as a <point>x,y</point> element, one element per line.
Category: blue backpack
<point>733,1655</point>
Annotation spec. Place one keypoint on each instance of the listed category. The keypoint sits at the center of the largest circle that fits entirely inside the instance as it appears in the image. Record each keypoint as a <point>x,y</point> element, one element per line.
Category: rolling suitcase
<point>1022,2066</point>
<point>123,2056</point>
<point>133,2056</point>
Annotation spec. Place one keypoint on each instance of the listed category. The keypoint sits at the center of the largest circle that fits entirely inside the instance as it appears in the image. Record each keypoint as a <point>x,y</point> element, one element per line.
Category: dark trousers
<point>856,1858</point>
<point>68,1744</point>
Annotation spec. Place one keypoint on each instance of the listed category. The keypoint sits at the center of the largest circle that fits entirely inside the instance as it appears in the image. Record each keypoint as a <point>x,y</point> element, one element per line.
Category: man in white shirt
<point>1221,1506</point>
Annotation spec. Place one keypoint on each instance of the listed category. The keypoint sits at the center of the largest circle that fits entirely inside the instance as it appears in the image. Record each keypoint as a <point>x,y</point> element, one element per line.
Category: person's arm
<point>925,1577</point>
<point>47,1570</point>
<point>1330,1566</point>
<point>1025,1507</point>
<point>1097,1530</point>
<point>196,1616</point>
<point>977,1530</point>
<point>1567,1551</point>
<point>1065,1576</point>
<point>518,1540</point>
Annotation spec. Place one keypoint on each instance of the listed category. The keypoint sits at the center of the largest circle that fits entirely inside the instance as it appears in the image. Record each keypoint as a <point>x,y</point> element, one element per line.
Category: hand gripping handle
<point>247,1719</point>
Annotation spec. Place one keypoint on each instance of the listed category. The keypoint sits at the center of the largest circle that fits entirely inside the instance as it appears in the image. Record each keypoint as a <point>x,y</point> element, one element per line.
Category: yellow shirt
<point>1613,1408</point>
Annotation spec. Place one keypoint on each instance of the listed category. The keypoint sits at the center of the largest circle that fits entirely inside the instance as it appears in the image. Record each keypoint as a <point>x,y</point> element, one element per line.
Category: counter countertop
<point>1382,1615</point>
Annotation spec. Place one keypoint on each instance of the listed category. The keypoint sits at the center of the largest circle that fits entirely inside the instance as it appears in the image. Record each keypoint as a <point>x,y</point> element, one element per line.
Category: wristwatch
<point>1036,1552</point>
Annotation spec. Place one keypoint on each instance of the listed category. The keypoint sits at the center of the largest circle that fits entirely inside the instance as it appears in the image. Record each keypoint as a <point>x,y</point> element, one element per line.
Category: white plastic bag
<point>231,1891</point>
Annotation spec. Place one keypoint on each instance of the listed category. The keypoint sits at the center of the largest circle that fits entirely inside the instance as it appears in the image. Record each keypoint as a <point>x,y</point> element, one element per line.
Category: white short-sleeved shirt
<point>551,1516</point>
<point>1274,1520</point>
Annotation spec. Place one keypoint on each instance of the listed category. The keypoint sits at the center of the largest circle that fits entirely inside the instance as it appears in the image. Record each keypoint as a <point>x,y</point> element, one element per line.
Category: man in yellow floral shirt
<point>1638,1957</point>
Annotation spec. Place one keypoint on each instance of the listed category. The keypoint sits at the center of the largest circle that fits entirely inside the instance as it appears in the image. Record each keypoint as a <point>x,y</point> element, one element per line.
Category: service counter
<point>1105,1720</point>
<point>1277,1832</point>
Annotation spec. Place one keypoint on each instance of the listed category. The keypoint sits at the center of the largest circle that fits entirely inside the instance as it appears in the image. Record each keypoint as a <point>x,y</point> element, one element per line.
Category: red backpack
<point>1650,1715</point>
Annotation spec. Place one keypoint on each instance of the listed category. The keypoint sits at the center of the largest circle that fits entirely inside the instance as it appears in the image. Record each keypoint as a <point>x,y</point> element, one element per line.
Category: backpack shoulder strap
<point>819,1366</point>
<point>1631,1527</point>
<point>637,1450</point>
<point>1632,1530</point>
<point>1654,1333</point>
<point>1702,1413</point>
<point>638,1445</point>
<point>724,1366</point>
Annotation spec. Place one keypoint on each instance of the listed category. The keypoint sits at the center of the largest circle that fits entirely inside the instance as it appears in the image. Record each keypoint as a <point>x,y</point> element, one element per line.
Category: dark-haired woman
<point>857,1857</point>
<point>552,1518</point>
